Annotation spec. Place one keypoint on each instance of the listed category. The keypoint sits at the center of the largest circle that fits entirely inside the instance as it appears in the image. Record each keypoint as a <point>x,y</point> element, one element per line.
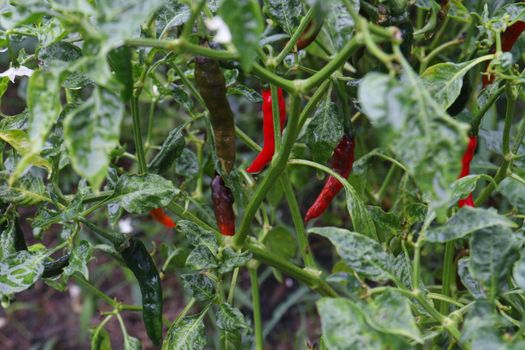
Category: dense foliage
<point>123,118</point>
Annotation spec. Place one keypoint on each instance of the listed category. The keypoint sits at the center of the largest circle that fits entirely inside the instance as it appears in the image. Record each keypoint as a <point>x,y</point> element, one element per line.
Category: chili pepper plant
<point>243,174</point>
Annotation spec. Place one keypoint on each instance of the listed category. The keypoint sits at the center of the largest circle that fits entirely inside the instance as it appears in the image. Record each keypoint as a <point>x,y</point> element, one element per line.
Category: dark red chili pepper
<point>309,34</point>
<point>222,198</point>
<point>163,218</point>
<point>508,38</point>
<point>265,155</point>
<point>465,169</point>
<point>342,162</point>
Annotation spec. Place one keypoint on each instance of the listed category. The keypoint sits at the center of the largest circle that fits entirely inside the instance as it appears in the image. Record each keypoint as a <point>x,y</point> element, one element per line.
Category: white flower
<point>223,35</point>
<point>124,225</point>
<point>12,72</point>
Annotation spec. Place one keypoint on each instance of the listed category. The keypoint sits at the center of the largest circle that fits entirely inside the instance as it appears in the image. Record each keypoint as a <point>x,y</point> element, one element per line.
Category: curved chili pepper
<point>309,34</point>
<point>222,198</point>
<point>465,170</point>
<point>342,162</point>
<point>139,261</point>
<point>265,155</point>
<point>160,216</point>
<point>212,87</point>
<point>508,38</point>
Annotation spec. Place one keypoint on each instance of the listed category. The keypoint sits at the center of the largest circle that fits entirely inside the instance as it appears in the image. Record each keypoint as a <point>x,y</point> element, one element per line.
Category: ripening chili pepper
<point>342,162</point>
<point>465,169</point>
<point>212,87</point>
<point>508,38</point>
<point>139,261</point>
<point>222,199</point>
<point>160,216</point>
<point>265,155</point>
<point>309,34</point>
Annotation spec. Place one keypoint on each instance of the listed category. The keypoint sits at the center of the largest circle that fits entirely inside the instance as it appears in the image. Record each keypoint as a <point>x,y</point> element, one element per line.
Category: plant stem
<point>312,280</point>
<point>256,303</point>
<point>425,62</point>
<point>181,212</point>
<point>180,45</point>
<point>195,11</point>
<point>509,114</point>
<point>233,284</point>
<point>302,237</point>
<point>137,135</point>
<point>476,121</point>
<point>507,154</point>
<point>117,239</point>
<point>78,278</point>
<point>448,260</point>
<point>276,118</point>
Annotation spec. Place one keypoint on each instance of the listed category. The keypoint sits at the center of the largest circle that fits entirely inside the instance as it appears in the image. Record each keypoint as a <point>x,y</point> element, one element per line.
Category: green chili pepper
<point>56,267</point>
<point>212,87</point>
<point>139,261</point>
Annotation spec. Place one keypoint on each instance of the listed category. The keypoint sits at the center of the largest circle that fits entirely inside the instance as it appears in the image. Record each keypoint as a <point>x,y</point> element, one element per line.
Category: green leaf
<point>344,327</point>
<point>202,287</point>
<point>19,271</point>
<point>390,313</point>
<point>280,241</point>
<point>43,102</point>
<point>514,191</point>
<point>444,80</point>
<point>4,82</point>
<point>201,258</point>
<point>229,318</point>
<point>187,333</point>
<point>19,140</point>
<point>473,286</point>
<point>27,190</point>
<point>492,253</point>
<point>187,164</point>
<point>420,133</point>
<point>131,343</point>
<point>142,193</point>
<point>111,12</point>
<point>100,339</point>
<point>230,259</point>
<point>360,253</point>
<point>231,340</point>
<point>196,235</point>
<point>79,259</point>
<point>91,132</point>
<point>324,131</point>
<point>61,54</point>
<point>245,23</point>
<point>120,61</point>
<point>361,219</point>
<point>387,224</point>
<point>169,152</point>
<point>481,325</point>
<point>287,13</point>
<point>518,272</point>
<point>466,221</point>
<point>339,22</point>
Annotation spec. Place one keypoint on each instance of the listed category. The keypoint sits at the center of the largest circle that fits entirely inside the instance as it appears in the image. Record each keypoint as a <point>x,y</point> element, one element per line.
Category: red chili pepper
<point>265,155</point>
<point>342,162</point>
<point>465,170</point>
<point>222,198</point>
<point>508,38</point>
<point>160,216</point>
